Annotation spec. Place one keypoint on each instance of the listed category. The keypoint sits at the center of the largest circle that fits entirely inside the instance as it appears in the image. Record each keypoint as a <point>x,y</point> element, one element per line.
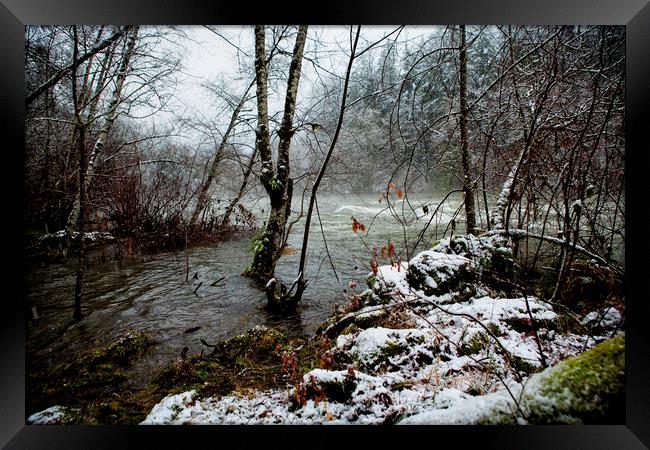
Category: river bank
<point>435,334</point>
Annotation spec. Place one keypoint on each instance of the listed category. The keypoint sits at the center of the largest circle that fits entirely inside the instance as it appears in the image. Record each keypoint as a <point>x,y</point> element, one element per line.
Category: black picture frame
<point>15,14</point>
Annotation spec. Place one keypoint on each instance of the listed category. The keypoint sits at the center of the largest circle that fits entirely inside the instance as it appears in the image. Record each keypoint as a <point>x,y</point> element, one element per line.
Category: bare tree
<point>202,199</point>
<point>276,180</point>
<point>468,182</point>
<point>76,62</point>
<point>288,301</point>
<point>111,115</point>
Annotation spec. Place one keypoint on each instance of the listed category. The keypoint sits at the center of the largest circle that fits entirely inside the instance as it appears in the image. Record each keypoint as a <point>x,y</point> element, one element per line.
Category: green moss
<point>495,329</point>
<point>88,385</point>
<point>590,386</point>
<point>476,344</point>
<point>391,349</point>
<point>350,329</point>
<point>521,365</point>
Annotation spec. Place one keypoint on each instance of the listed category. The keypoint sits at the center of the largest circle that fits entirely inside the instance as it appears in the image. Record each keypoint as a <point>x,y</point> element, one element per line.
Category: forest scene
<point>367,225</point>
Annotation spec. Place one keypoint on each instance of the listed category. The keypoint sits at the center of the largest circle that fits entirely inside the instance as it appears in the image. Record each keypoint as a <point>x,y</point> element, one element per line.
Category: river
<point>149,293</point>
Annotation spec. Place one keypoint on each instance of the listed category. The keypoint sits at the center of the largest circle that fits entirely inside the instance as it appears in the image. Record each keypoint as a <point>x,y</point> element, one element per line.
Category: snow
<point>90,235</point>
<point>504,308</point>
<point>461,410</point>
<point>607,318</point>
<point>170,408</point>
<point>448,366</point>
<point>51,415</point>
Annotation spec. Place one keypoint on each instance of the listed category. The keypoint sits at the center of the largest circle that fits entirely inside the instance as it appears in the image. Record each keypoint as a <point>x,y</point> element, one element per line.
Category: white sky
<point>208,57</point>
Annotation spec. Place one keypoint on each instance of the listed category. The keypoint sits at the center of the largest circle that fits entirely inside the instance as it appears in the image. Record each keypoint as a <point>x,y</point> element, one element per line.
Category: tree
<point>202,200</point>
<point>468,183</point>
<point>76,62</point>
<point>111,115</point>
<point>275,179</point>
<point>288,302</point>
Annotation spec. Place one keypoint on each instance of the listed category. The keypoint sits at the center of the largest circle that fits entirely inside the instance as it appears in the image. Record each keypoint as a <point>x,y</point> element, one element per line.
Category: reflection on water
<point>150,294</point>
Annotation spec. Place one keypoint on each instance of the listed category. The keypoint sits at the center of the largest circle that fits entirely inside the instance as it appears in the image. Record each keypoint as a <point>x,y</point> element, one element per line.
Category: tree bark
<point>468,190</point>
<point>81,127</point>
<point>276,181</point>
<point>92,109</point>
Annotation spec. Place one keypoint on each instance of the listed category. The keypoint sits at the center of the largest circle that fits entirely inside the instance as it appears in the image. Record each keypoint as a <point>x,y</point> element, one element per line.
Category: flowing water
<point>150,293</point>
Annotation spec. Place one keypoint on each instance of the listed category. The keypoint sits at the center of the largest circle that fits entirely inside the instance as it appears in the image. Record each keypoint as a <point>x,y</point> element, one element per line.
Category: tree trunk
<point>81,225</point>
<point>81,127</point>
<point>225,221</point>
<point>92,109</point>
<point>110,119</point>
<point>302,281</point>
<point>276,181</point>
<point>468,189</point>
<point>75,63</point>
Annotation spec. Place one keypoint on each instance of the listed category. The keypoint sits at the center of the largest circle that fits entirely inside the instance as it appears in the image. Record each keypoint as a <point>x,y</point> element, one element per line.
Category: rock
<point>364,318</point>
<point>320,384</point>
<point>587,388</point>
<point>258,341</point>
<point>436,273</point>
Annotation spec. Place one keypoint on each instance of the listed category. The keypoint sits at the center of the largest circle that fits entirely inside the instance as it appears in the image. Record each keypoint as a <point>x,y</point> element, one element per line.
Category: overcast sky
<point>207,56</point>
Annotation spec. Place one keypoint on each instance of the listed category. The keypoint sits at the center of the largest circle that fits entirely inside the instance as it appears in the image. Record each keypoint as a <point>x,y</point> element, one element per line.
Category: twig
<point>216,282</point>
<point>534,326</point>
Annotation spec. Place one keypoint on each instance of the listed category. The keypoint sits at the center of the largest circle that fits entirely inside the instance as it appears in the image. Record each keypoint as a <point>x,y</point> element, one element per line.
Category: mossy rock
<point>251,359</point>
<point>258,342</point>
<point>334,326</point>
<point>456,276</point>
<point>479,342</point>
<point>523,366</point>
<point>102,365</point>
<point>334,389</point>
<point>194,373</point>
<point>391,349</point>
<point>372,298</point>
<point>588,388</point>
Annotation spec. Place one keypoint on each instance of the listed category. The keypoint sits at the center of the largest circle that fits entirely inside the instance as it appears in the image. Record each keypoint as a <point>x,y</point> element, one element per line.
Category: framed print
<point>418,219</point>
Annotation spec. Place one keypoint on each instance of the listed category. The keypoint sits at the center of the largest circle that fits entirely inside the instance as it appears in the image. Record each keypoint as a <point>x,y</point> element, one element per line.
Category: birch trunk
<point>108,124</point>
<point>468,190</point>
<point>276,181</point>
<point>93,101</point>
